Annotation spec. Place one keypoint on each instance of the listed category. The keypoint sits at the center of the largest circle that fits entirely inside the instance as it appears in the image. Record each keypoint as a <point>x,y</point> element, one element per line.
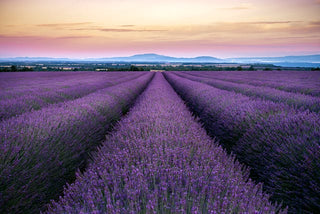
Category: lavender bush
<point>32,95</point>
<point>14,84</point>
<point>284,150</point>
<point>296,100</point>
<point>226,115</point>
<point>160,160</point>
<point>305,82</point>
<point>279,143</point>
<point>41,150</point>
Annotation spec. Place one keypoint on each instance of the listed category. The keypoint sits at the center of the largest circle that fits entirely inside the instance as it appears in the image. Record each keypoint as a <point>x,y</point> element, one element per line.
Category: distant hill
<point>285,61</point>
<point>134,58</point>
<point>161,58</point>
<point>289,61</point>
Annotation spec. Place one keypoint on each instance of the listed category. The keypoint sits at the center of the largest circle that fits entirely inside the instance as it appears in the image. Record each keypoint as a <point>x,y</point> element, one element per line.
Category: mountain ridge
<point>152,57</point>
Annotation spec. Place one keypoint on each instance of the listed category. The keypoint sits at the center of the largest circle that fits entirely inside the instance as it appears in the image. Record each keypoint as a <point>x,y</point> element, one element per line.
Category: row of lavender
<point>30,95</point>
<point>41,150</point>
<point>296,100</point>
<point>13,85</point>
<point>160,160</point>
<point>304,82</point>
<point>279,143</point>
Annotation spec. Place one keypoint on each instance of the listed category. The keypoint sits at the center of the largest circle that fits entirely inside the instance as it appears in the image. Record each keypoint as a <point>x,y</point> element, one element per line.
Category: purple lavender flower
<point>41,150</point>
<point>36,92</point>
<point>160,160</point>
<point>280,143</point>
<point>296,100</point>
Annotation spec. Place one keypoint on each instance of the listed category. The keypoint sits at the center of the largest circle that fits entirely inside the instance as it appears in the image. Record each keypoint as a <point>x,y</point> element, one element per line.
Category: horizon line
<point>101,57</point>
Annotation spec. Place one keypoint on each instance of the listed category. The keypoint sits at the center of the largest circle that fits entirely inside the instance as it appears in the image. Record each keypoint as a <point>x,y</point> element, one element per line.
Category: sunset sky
<point>184,28</point>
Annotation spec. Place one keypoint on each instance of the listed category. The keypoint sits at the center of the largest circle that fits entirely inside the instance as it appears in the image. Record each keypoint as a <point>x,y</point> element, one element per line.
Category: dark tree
<point>251,68</point>
<point>134,68</point>
<point>14,68</point>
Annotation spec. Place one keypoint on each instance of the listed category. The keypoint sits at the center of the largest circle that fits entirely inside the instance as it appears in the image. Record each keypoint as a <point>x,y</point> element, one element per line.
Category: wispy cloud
<point>119,30</point>
<point>269,22</point>
<point>239,31</point>
<point>238,8</point>
<point>73,37</point>
<point>15,37</point>
<point>62,25</point>
<point>128,30</point>
<point>88,26</point>
<point>243,6</point>
<point>315,23</point>
<point>127,25</point>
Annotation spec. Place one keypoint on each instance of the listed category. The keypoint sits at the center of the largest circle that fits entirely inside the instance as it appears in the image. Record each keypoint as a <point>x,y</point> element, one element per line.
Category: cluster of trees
<point>130,67</point>
<point>14,68</point>
<point>179,68</point>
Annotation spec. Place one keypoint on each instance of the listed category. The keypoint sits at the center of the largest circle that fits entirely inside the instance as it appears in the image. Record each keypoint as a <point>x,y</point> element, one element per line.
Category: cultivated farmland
<point>178,142</point>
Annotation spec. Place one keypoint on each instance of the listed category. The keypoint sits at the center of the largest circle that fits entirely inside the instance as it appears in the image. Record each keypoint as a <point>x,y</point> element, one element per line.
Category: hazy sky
<point>103,28</point>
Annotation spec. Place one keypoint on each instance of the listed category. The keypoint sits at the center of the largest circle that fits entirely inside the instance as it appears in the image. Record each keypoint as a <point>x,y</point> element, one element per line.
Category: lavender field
<point>173,142</point>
